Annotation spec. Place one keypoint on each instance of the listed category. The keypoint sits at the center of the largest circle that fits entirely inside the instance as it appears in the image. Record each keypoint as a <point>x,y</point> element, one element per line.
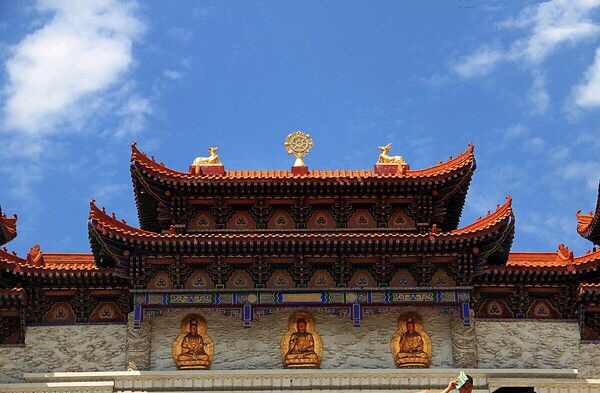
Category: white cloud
<point>538,96</point>
<point>588,171</point>
<point>83,49</point>
<point>181,34</point>
<point>534,144</point>
<point>587,93</point>
<point>547,27</point>
<point>173,74</point>
<point>134,113</point>
<point>479,63</point>
<point>106,192</point>
<point>515,131</point>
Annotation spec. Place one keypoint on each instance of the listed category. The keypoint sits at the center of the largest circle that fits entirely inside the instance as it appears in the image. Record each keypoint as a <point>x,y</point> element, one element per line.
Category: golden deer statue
<point>212,159</point>
<point>385,158</point>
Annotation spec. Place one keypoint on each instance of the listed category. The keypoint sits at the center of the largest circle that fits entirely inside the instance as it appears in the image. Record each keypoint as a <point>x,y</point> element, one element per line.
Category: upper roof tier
<point>8,228</point>
<point>159,190</point>
<point>588,225</point>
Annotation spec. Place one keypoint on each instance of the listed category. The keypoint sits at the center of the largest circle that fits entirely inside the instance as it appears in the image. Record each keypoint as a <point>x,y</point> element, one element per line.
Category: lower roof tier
<point>113,241</point>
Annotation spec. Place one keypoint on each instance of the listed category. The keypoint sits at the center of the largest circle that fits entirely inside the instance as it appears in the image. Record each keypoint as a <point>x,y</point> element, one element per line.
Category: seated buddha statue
<point>301,350</point>
<point>192,353</point>
<point>412,348</point>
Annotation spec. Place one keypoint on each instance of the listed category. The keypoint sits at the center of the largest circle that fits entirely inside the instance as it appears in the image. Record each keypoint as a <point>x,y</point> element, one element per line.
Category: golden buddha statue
<point>411,346</point>
<point>301,345</point>
<point>193,349</point>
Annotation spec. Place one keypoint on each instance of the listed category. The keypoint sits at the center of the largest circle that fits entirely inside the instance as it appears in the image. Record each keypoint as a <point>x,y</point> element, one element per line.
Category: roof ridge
<point>461,159</point>
<point>502,212</point>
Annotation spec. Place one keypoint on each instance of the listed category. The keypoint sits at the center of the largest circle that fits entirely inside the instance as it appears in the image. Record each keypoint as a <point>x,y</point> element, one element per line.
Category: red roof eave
<point>53,263</point>
<point>111,226</point>
<point>8,228</point>
<point>588,225</point>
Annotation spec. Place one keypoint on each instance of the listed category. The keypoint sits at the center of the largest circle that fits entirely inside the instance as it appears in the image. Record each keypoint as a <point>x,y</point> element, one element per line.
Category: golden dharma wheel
<point>298,144</point>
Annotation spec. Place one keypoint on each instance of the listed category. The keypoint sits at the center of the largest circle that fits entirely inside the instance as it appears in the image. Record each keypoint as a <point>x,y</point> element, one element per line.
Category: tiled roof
<point>588,225</point>
<point>12,297</point>
<point>159,170</point>
<point>14,292</point>
<point>589,292</point>
<point>502,213</point>
<point>101,221</point>
<point>562,258</point>
<point>8,228</point>
<point>49,263</point>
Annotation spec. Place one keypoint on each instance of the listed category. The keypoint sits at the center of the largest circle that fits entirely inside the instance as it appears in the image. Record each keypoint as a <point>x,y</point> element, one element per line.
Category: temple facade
<point>277,280</point>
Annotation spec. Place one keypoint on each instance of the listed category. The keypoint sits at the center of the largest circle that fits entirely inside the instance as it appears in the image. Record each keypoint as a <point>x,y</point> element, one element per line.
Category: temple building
<point>300,279</point>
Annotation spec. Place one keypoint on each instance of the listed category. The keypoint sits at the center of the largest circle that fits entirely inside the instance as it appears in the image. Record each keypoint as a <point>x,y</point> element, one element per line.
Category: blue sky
<point>80,81</point>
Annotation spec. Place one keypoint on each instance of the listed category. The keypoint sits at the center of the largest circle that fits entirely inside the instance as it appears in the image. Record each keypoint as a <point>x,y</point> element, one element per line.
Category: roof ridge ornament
<point>390,165</point>
<point>299,144</point>
<point>208,165</point>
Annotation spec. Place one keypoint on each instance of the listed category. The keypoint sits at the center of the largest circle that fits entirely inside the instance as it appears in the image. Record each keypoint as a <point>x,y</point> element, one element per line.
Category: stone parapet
<point>563,380</point>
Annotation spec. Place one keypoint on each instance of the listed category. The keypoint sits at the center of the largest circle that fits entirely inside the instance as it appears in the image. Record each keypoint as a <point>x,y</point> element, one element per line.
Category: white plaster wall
<point>535,344</point>
<point>345,346</point>
<point>65,348</point>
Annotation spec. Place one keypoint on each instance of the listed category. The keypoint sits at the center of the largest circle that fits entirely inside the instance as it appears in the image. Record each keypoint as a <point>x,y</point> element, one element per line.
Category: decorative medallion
<point>411,346</point>
<point>301,345</point>
<point>193,349</point>
<point>60,312</point>
<point>298,144</point>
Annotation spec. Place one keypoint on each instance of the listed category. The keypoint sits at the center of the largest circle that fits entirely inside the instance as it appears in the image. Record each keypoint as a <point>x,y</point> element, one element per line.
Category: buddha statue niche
<point>301,345</point>
<point>193,349</point>
<point>411,346</point>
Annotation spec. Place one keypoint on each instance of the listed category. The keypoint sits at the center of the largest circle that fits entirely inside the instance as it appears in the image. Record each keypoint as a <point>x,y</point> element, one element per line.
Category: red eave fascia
<point>100,221</point>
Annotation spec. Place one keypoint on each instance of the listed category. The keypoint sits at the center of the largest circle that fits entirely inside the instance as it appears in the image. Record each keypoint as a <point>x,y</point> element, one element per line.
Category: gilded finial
<point>212,159</point>
<point>385,158</point>
<point>298,144</point>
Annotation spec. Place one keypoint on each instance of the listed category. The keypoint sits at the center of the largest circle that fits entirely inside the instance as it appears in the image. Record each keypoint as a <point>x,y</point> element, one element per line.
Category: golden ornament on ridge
<point>298,144</point>
<point>212,159</point>
<point>385,158</point>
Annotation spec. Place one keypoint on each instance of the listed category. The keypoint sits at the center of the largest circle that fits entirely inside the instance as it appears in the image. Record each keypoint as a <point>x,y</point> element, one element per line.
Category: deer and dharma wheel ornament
<point>387,164</point>
<point>209,165</point>
<point>298,144</point>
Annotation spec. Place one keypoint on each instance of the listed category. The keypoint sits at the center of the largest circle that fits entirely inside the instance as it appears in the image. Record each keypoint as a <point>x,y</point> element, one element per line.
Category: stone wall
<point>535,344</point>
<point>345,346</point>
<point>500,344</point>
<point>65,348</point>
